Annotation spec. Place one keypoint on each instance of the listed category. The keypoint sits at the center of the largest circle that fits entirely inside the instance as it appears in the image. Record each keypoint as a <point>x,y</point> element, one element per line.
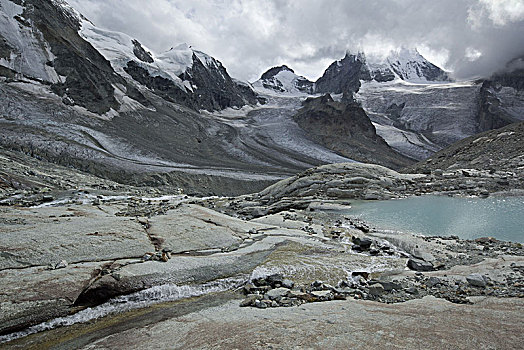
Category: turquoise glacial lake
<point>468,218</point>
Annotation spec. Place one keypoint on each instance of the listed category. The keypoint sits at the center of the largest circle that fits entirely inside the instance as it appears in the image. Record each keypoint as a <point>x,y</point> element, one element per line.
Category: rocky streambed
<point>105,255</point>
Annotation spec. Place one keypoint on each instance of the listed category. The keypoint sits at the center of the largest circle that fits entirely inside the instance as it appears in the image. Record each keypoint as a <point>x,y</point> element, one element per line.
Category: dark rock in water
<point>364,243</point>
<point>275,280</point>
<point>420,265</point>
<point>47,198</point>
<point>376,289</point>
<point>476,280</point>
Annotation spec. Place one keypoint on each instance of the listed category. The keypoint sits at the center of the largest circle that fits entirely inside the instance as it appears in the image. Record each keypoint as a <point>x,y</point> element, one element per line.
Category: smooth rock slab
<point>75,234</point>
<point>427,323</point>
<point>193,228</point>
<point>33,295</point>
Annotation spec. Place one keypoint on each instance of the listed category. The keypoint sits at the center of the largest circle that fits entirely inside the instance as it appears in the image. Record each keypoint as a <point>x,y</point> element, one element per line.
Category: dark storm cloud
<point>470,37</point>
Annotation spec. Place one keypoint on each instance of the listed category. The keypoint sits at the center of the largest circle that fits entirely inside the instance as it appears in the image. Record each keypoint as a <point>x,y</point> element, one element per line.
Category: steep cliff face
<point>345,128</point>
<point>501,98</point>
<point>45,45</point>
<point>343,77</point>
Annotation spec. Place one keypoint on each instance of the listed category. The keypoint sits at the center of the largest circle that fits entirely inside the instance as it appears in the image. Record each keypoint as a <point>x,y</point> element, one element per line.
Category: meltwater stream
<point>141,299</point>
<point>467,218</point>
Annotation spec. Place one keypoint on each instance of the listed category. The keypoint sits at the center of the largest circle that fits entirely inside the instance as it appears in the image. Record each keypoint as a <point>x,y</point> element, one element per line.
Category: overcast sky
<point>470,37</point>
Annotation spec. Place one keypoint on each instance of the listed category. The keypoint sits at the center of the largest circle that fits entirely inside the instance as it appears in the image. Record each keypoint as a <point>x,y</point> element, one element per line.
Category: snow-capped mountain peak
<point>283,79</point>
<point>409,65</point>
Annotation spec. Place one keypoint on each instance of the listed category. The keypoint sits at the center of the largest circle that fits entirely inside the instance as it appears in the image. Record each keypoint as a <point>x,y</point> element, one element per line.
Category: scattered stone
<point>363,274</point>
<point>277,293</point>
<point>250,300</point>
<point>275,280</point>
<point>260,304</point>
<point>287,283</point>
<point>389,286</point>
<point>412,290</point>
<point>476,280</point>
<point>362,243</point>
<point>61,264</point>
<point>323,295</point>
<point>432,282</point>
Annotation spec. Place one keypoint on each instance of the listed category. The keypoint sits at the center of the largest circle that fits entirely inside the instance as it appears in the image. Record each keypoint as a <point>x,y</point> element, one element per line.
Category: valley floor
<point>106,265</point>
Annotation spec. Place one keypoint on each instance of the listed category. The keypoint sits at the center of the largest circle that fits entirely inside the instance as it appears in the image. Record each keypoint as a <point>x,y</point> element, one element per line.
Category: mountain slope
<point>501,100</point>
<point>51,42</point>
<point>495,150</point>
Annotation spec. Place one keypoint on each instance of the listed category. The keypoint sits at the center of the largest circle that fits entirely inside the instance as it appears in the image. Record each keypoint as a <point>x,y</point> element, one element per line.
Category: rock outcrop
<point>345,128</point>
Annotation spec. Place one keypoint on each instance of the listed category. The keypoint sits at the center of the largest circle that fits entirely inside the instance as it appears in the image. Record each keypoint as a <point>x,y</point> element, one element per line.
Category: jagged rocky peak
<point>271,72</point>
<point>410,65</point>
<point>283,79</point>
<point>141,53</point>
<point>343,76</point>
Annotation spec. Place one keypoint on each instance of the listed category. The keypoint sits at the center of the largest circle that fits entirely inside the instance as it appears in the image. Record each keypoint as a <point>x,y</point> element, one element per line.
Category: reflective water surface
<point>468,218</point>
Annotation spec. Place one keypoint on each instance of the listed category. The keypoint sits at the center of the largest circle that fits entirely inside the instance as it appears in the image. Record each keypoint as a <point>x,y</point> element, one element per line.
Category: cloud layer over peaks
<point>470,37</point>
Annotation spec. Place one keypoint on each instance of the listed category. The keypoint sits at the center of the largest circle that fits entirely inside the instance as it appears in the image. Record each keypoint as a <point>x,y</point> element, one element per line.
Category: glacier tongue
<point>420,119</point>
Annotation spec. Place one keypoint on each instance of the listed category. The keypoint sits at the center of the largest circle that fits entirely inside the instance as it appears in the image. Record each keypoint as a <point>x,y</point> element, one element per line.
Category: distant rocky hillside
<point>496,150</point>
<point>345,128</point>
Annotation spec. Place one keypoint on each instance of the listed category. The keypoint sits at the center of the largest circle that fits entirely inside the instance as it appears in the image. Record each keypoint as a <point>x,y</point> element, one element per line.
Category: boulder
<point>433,281</point>
<point>476,280</point>
<point>364,243</point>
<point>419,265</point>
<point>376,289</point>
